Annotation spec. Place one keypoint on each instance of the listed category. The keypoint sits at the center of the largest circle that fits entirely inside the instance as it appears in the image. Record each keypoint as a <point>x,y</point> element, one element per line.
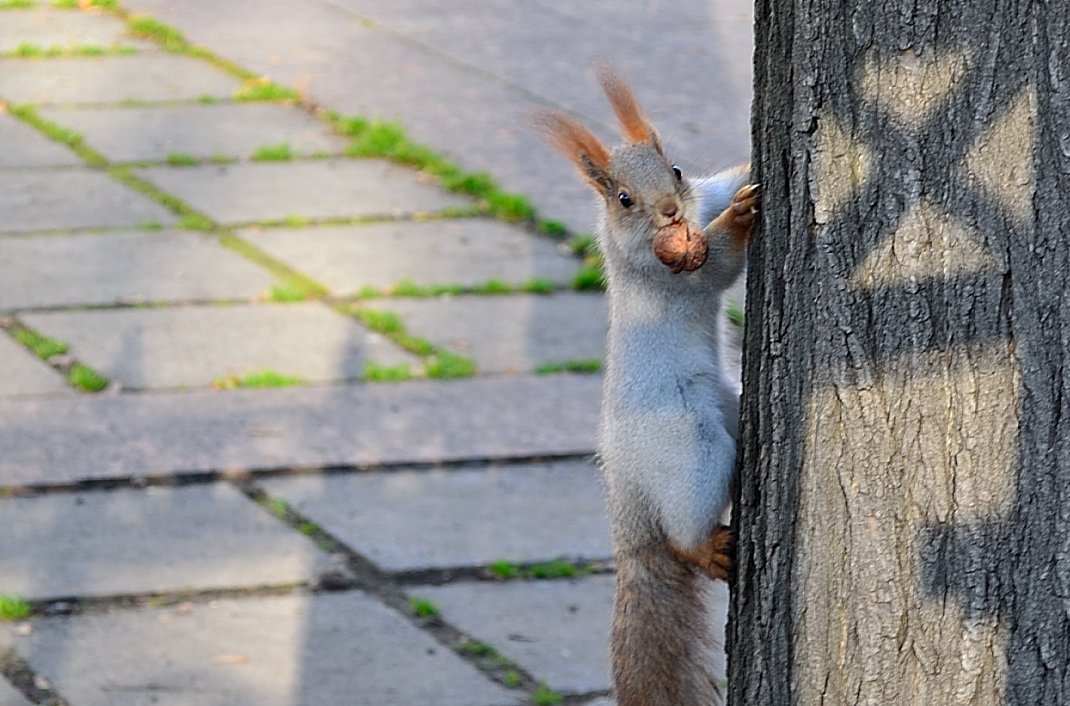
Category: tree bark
<point>903,515</point>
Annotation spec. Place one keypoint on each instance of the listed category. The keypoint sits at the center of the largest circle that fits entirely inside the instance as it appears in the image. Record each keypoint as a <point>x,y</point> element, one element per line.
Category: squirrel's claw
<point>716,556</point>
<point>745,204</point>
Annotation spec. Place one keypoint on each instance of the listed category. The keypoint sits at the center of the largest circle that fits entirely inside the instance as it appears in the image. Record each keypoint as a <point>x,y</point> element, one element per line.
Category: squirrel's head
<point>642,190</point>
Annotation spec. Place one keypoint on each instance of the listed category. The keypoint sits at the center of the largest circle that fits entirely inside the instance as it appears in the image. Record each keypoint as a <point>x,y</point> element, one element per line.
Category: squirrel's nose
<point>669,208</point>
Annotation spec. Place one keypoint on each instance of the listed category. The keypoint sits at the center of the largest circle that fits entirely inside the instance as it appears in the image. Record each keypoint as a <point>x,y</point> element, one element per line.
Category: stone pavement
<point>283,426</point>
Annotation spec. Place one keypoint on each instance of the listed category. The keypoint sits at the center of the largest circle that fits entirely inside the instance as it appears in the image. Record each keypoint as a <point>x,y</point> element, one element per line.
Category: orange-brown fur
<point>634,125</point>
<point>660,639</point>
<point>666,443</point>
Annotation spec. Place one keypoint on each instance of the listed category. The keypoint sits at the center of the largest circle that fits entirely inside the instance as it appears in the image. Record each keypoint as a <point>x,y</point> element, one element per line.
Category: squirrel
<point>667,438</point>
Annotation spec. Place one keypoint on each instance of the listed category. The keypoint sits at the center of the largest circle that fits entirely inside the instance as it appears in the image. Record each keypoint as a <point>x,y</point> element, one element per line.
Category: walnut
<point>681,246</point>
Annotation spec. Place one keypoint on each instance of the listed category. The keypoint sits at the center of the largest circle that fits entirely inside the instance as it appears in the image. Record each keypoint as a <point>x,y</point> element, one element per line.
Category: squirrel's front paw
<point>738,218</point>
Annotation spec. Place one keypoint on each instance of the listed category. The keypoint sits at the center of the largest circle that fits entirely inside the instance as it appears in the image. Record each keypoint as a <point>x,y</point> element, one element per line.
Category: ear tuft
<point>634,125</point>
<point>577,143</point>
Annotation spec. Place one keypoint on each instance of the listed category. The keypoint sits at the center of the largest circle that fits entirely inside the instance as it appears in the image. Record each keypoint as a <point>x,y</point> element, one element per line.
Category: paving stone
<point>441,518</point>
<point>25,147</point>
<point>25,374</point>
<point>45,441</point>
<point>533,57</point>
<point>72,198</point>
<point>112,79</point>
<point>468,252</point>
<point>513,333</point>
<point>193,346</point>
<point>244,193</point>
<point>10,697</point>
<point>284,651</point>
<point>46,28</point>
<point>156,539</point>
<point>557,630</point>
<point>232,130</point>
<point>67,270</point>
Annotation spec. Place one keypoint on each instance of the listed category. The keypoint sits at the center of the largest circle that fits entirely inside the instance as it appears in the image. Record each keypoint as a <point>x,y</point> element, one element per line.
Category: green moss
<point>196,221</point>
<point>180,159</point>
<point>423,608</point>
<point>583,245</point>
<point>280,152</point>
<point>545,696</point>
<point>388,140</point>
<point>377,372</point>
<point>278,507</point>
<point>14,608</point>
<point>281,270</point>
<point>34,51</point>
<point>446,364</point>
<point>263,89</point>
<point>86,379</point>
<point>207,99</point>
<point>146,27</point>
<point>504,569</point>
<point>259,380</point>
<point>510,207</point>
<point>42,346</point>
<point>85,4</point>
<point>29,115</point>
<point>288,292</point>
<point>539,285</point>
<point>572,365</point>
<point>385,322</point>
<point>492,286</point>
<point>589,278</point>
<point>556,229</point>
<point>476,648</point>
<point>512,679</point>
<point>556,569</point>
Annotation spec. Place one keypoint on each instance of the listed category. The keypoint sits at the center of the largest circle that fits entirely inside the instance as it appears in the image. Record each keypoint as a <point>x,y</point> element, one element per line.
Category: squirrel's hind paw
<point>716,556</point>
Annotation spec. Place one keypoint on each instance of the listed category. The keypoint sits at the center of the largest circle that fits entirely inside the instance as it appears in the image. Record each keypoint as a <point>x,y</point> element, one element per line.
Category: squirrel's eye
<point>677,172</point>
<point>625,199</point>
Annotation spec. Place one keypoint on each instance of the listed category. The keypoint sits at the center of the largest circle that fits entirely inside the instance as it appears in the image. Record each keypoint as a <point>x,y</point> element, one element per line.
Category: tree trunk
<point>904,511</point>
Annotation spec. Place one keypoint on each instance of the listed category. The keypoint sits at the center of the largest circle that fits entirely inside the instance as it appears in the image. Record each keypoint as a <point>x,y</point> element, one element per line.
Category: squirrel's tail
<point>661,643</point>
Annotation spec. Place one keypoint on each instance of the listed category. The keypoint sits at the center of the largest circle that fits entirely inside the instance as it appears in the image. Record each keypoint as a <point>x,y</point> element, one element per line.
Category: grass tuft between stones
<point>146,27</point>
<point>377,372</point>
<point>545,696</point>
<point>424,608</point>
<point>572,365</point>
<point>388,140</point>
<point>86,379</point>
<point>86,4</point>
<point>263,89</point>
<point>42,346</point>
<point>259,380</point>
<point>14,608</point>
<point>280,152</point>
<point>287,292</point>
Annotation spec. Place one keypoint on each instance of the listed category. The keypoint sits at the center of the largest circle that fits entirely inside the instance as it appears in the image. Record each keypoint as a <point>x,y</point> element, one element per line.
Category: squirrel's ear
<point>634,125</point>
<point>579,145</point>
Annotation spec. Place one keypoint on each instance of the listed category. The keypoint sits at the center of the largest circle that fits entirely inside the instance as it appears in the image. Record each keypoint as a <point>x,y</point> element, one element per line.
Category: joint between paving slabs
<point>238,476</point>
<point>359,573</point>
<point>55,353</point>
<point>30,684</point>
